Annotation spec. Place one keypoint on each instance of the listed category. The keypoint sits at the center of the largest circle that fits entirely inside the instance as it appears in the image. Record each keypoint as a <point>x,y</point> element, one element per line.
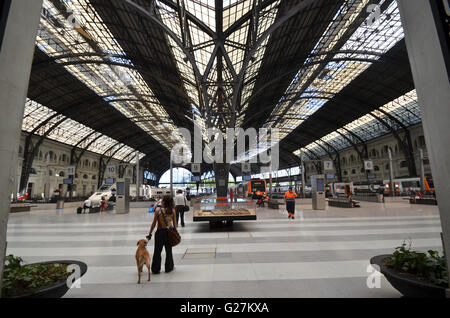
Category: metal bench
<point>426,201</point>
<point>343,203</point>
<point>274,204</point>
<point>20,207</point>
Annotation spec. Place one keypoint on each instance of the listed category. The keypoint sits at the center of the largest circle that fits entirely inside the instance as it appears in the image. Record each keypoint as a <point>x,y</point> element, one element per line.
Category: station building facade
<point>54,170</point>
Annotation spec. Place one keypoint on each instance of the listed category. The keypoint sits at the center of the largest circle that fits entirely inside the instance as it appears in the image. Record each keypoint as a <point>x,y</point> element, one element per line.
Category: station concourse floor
<point>320,254</point>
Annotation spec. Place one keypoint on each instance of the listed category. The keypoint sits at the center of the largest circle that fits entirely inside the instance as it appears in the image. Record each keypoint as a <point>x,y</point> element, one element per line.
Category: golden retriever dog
<point>142,257</point>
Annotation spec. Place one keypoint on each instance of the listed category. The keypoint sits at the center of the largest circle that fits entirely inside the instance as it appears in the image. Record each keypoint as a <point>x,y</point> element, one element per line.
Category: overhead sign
<point>246,167</point>
<point>368,164</point>
<point>68,181</point>
<point>328,165</point>
<point>110,170</point>
<point>71,170</point>
<point>196,168</point>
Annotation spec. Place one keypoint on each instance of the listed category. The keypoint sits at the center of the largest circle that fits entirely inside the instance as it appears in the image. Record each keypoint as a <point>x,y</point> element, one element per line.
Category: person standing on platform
<point>289,198</point>
<point>180,203</point>
<point>165,218</point>
<point>103,205</point>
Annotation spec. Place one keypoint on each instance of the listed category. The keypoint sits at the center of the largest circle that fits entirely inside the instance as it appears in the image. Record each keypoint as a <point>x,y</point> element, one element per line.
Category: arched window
<point>85,176</point>
<point>94,177</point>
<point>62,174</point>
<point>387,167</point>
<point>353,171</point>
<point>345,172</point>
<point>376,168</point>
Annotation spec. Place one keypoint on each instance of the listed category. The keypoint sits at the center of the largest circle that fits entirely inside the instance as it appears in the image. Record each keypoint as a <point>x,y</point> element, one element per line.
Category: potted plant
<point>414,274</point>
<point>40,280</point>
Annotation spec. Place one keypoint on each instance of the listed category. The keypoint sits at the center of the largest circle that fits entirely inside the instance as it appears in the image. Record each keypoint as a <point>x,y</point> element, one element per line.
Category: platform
<point>320,254</point>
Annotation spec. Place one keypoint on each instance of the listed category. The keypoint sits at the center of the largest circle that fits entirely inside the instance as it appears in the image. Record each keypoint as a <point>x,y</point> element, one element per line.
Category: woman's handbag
<point>174,236</point>
<point>186,207</point>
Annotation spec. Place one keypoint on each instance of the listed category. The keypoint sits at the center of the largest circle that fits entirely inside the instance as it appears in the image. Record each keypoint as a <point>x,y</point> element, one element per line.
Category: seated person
<point>86,205</point>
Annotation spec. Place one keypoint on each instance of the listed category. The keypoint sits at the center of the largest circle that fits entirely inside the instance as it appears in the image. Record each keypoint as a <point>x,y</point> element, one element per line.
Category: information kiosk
<point>123,196</point>
<point>318,192</point>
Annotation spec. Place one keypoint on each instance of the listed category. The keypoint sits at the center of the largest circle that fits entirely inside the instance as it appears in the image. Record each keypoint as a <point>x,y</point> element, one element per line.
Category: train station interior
<point>302,147</point>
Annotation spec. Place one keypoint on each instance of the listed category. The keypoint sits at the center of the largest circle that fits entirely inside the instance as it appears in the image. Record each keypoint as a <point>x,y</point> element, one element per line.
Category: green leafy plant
<point>20,279</point>
<point>428,266</point>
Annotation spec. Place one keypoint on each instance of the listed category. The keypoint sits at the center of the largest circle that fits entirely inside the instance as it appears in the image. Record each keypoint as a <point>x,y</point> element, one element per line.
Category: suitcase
<point>79,210</point>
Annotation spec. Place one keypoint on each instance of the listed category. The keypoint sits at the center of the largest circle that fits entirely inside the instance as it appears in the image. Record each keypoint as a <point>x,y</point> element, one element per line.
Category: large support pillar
<point>391,173</point>
<point>422,171</point>
<point>221,173</point>
<point>16,57</point>
<point>303,174</point>
<point>428,50</point>
<point>138,177</point>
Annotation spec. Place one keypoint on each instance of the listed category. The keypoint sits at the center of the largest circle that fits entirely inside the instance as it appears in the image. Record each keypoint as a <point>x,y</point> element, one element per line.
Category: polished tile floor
<point>320,254</point>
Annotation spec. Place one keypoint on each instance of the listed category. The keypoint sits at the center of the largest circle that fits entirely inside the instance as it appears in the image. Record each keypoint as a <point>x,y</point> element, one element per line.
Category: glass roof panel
<point>405,109</point>
<point>69,132</point>
<point>89,39</point>
<point>365,45</point>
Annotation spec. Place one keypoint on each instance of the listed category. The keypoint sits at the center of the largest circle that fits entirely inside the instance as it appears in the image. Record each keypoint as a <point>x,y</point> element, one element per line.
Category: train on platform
<point>146,193</point>
<point>405,186</point>
<point>246,189</point>
<point>402,186</point>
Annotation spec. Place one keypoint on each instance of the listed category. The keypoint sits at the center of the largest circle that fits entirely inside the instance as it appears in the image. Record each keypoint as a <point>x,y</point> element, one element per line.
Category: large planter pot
<point>407,285</point>
<point>58,289</point>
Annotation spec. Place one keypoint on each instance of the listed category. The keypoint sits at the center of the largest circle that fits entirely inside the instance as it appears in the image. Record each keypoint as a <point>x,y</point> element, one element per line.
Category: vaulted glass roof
<point>165,64</point>
<point>400,113</point>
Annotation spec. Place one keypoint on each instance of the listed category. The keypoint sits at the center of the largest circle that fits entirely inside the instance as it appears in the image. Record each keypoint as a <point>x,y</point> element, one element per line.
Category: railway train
<point>402,186</point>
<point>106,190</point>
<point>146,192</point>
<point>405,185</point>
<point>245,189</point>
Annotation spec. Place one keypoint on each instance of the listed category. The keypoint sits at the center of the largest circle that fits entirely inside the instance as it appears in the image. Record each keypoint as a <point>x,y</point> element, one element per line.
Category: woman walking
<point>165,217</point>
<point>289,198</point>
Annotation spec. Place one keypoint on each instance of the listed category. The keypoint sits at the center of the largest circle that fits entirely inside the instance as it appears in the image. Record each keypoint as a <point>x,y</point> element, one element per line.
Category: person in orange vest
<point>289,198</point>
